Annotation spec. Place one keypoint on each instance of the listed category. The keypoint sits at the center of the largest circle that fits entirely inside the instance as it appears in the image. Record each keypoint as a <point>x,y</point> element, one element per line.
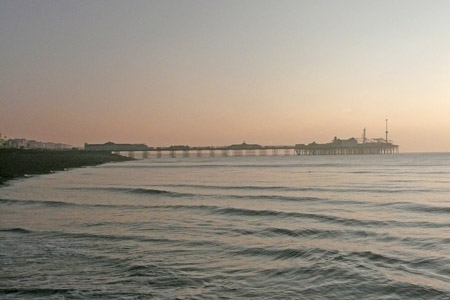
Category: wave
<point>309,233</point>
<point>151,192</point>
<point>38,202</point>
<point>309,189</point>
<point>177,165</point>
<point>56,203</point>
<point>316,253</point>
<point>437,265</point>
<point>107,237</point>
<point>287,253</point>
<point>41,292</point>
<point>350,235</point>
<point>321,217</point>
<point>428,208</point>
<point>166,193</point>
<point>245,212</point>
<point>139,190</point>
<point>231,187</point>
<point>50,293</point>
<point>416,207</point>
<point>317,233</point>
<point>115,238</point>
<point>327,280</point>
<point>287,198</point>
<point>47,203</point>
<point>268,197</point>
<point>16,230</point>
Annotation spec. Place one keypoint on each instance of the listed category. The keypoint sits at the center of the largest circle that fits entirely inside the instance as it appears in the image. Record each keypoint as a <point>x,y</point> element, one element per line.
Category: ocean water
<point>275,227</point>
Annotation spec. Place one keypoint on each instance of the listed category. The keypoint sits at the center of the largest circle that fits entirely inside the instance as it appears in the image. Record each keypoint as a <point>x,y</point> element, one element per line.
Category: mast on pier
<point>387,131</point>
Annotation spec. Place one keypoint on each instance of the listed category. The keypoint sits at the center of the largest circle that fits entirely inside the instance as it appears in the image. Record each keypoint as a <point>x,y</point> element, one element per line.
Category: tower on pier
<point>387,141</point>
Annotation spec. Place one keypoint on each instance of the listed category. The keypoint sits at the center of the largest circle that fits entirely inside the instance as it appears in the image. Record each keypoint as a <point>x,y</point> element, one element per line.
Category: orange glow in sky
<point>220,72</point>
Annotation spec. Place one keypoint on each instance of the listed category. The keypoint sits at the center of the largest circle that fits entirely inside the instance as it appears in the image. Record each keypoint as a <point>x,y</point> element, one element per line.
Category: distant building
<point>16,143</point>
<point>244,146</point>
<point>55,146</point>
<point>110,146</point>
<point>349,146</point>
<point>2,141</point>
<point>351,142</point>
<point>32,144</point>
<point>179,147</point>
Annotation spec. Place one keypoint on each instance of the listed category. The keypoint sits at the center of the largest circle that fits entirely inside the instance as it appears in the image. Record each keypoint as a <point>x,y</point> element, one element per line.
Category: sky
<point>220,72</point>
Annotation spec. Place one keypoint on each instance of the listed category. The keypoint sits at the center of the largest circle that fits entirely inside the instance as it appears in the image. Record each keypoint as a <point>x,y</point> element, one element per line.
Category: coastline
<point>16,163</point>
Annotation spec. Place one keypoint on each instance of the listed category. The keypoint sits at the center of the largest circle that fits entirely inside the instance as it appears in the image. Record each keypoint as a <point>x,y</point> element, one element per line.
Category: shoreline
<point>17,163</point>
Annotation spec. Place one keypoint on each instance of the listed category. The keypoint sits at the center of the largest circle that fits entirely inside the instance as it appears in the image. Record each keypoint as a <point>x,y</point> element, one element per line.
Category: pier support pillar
<point>250,152</point>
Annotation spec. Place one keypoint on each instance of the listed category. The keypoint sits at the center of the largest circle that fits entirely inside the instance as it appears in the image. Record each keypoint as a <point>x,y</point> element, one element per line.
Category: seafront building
<point>2,141</point>
<point>31,144</point>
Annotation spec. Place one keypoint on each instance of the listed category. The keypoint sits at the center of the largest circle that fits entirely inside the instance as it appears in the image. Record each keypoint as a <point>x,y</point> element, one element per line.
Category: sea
<point>250,227</point>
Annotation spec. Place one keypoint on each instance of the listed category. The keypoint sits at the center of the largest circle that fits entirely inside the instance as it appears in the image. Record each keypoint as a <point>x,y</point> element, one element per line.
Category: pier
<point>209,151</point>
<point>352,146</point>
<point>362,149</point>
<point>337,147</point>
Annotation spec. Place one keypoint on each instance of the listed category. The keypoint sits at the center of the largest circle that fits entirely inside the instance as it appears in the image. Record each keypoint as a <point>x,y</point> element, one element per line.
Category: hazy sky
<point>218,72</point>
